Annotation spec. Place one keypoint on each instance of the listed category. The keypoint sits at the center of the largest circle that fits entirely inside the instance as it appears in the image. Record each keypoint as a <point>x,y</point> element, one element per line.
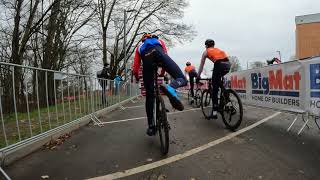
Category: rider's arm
<point>203,59</point>
<point>136,63</point>
<point>164,47</point>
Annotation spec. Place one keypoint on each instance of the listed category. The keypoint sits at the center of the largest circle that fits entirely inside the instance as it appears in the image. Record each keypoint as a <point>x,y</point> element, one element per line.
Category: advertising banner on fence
<point>312,90</point>
<point>280,86</point>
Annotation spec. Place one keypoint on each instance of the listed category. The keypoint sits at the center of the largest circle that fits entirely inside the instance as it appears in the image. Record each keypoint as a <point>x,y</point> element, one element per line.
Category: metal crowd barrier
<point>34,101</point>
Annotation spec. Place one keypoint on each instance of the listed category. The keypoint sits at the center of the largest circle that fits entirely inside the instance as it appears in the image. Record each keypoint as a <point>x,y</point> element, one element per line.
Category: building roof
<point>310,18</point>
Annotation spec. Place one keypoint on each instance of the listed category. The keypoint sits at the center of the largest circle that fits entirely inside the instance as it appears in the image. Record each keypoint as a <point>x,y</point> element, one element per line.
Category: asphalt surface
<point>267,151</point>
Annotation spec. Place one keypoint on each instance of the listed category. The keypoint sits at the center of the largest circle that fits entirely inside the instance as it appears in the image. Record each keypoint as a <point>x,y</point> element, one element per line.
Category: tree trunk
<point>49,59</point>
<point>104,46</point>
<point>8,103</point>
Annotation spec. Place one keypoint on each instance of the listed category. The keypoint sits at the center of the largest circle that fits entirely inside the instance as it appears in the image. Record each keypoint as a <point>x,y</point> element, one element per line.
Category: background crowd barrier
<point>292,86</point>
<point>35,101</point>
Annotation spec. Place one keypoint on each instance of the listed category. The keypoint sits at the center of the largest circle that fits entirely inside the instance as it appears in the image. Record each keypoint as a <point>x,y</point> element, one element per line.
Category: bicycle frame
<point>210,82</point>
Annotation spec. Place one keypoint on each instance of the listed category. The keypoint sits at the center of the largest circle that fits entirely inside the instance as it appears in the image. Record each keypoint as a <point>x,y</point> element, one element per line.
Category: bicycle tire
<point>189,96</point>
<point>227,109</point>
<point>163,126</point>
<point>198,98</point>
<point>206,101</point>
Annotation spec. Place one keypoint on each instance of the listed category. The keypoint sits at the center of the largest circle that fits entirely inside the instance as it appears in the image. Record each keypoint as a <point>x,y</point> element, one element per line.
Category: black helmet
<point>188,63</point>
<point>209,43</point>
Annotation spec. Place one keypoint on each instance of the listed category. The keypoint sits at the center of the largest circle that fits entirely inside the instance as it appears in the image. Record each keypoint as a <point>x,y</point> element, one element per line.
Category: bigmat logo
<point>276,83</point>
<point>315,80</point>
<point>236,83</point>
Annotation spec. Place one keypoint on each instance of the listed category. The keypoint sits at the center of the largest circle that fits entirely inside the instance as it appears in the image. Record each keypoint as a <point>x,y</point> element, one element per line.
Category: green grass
<point>56,117</point>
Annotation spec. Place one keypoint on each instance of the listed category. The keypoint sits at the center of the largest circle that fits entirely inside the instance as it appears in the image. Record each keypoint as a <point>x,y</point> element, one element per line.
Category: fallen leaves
<point>53,143</point>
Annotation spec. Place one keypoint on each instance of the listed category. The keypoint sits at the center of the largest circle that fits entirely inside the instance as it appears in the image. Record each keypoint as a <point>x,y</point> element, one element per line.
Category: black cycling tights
<point>220,69</point>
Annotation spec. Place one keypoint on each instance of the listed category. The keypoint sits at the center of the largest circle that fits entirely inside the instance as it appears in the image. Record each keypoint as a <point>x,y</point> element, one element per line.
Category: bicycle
<point>228,99</point>
<point>160,116</point>
<point>197,96</point>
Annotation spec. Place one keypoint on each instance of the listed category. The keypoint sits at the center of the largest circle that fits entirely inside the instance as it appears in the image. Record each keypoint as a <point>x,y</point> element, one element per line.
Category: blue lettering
<point>315,76</point>
<point>265,85</point>
<point>259,80</point>
<point>254,81</point>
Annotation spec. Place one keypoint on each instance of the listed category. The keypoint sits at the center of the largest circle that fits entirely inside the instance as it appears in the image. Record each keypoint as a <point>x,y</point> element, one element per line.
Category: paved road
<point>263,152</point>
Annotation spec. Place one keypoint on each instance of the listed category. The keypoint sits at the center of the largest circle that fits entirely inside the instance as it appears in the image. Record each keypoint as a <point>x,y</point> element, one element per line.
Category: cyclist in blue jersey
<point>153,50</point>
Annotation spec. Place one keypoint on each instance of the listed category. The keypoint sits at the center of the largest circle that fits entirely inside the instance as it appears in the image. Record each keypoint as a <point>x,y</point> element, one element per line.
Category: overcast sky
<point>249,29</point>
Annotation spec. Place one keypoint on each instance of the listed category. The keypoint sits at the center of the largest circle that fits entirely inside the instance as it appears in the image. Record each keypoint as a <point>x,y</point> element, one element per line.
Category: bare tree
<point>235,64</point>
<point>160,17</point>
<point>66,19</point>
<point>105,9</point>
<point>41,34</point>
<point>22,24</point>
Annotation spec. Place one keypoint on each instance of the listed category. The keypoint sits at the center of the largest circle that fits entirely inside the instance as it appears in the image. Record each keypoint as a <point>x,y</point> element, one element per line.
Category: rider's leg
<point>179,79</point>
<point>216,76</point>
<point>192,85</point>
<point>172,68</point>
<point>220,69</point>
<point>148,80</point>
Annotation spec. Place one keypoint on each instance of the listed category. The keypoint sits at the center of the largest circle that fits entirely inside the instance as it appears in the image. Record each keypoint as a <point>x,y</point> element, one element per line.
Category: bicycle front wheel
<point>206,103</point>
<point>232,111</point>
<point>163,126</point>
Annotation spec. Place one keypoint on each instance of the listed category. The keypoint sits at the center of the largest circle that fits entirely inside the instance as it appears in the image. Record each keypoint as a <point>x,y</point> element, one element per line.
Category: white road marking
<point>132,107</point>
<point>178,157</point>
<point>133,119</point>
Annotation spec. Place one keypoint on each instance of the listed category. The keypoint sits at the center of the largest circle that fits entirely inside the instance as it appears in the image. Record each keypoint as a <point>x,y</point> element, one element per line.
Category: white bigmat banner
<point>292,86</point>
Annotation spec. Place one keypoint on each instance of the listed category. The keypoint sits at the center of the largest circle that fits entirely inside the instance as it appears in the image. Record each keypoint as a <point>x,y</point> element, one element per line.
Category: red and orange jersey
<point>216,54</point>
<point>189,69</point>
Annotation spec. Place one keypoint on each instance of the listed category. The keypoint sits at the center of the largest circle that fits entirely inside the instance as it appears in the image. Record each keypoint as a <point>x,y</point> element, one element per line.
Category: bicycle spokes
<point>206,103</point>
<point>163,127</point>
<point>232,110</point>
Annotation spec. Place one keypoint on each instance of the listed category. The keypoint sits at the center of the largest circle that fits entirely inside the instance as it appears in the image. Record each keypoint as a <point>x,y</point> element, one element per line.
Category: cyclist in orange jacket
<point>192,73</point>
<point>221,68</point>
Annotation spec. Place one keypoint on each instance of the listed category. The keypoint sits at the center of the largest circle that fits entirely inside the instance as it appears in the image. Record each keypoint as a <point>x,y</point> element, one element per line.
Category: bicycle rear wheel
<point>189,96</point>
<point>163,126</point>
<point>232,111</point>
<point>206,103</point>
<point>198,98</point>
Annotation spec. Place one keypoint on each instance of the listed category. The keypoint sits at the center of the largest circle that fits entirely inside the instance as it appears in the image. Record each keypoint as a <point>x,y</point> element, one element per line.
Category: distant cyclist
<point>221,68</point>
<point>192,73</point>
<point>153,50</point>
